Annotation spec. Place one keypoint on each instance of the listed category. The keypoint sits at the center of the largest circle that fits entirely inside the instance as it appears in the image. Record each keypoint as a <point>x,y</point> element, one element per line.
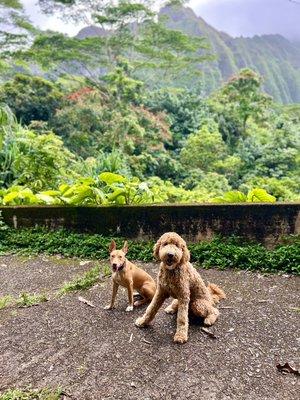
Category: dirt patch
<point>97,354</point>
<point>38,274</point>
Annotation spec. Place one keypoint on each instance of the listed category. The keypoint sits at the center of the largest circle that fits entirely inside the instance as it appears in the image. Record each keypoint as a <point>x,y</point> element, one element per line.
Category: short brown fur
<point>128,275</point>
<point>179,279</point>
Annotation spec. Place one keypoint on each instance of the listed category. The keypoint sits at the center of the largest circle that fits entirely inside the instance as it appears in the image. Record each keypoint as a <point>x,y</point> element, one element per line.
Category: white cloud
<point>49,22</point>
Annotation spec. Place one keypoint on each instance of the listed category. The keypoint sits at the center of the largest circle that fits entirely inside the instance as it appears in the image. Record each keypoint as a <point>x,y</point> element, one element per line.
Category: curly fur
<point>179,279</point>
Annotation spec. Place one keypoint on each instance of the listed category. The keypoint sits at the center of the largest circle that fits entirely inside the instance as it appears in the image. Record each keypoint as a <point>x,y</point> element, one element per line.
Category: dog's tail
<point>216,292</point>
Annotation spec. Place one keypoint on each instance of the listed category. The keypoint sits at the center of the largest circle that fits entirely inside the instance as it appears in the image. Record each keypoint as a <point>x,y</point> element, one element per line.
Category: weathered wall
<point>262,222</point>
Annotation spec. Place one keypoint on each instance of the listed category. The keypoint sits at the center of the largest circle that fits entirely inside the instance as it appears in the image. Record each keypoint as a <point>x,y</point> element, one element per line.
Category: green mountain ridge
<point>276,58</point>
<point>273,56</point>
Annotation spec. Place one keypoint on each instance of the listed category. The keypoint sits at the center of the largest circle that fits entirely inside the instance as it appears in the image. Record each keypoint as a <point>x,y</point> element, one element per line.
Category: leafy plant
<point>219,253</point>
<point>253,196</point>
<point>31,394</point>
<point>28,300</point>
<point>5,301</point>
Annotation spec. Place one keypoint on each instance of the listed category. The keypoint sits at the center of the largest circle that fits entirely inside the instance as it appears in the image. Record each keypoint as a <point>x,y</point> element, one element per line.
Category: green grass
<point>24,300</point>
<point>219,253</point>
<point>28,300</point>
<point>43,394</point>
<point>83,282</point>
<point>6,301</point>
<point>87,280</point>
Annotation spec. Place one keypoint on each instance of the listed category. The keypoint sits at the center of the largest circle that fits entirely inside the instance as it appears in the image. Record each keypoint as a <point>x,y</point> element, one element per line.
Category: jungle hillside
<point>144,105</point>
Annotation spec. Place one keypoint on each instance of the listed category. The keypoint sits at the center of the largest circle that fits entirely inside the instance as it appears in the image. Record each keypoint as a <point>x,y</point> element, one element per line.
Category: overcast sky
<point>236,17</point>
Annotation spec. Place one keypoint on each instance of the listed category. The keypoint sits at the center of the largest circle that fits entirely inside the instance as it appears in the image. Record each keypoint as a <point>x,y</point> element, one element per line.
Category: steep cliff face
<point>273,56</point>
<point>276,58</point>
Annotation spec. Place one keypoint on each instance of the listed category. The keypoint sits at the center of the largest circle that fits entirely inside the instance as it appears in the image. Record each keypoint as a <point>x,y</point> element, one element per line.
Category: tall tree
<point>238,100</point>
<point>131,30</point>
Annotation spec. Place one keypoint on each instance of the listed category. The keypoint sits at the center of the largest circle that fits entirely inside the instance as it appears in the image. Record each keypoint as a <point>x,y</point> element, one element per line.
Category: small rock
<point>82,263</point>
<point>133,385</point>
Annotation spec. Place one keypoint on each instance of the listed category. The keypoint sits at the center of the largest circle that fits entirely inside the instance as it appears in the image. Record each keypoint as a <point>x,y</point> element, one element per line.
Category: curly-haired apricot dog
<point>179,279</point>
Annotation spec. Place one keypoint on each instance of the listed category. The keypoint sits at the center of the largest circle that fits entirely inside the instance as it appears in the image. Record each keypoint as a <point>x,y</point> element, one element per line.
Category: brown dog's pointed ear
<point>125,247</point>
<point>112,246</point>
<point>156,249</point>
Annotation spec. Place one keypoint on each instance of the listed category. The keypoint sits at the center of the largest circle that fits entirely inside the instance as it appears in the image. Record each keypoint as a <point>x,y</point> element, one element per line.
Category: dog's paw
<point>129,308</point>
<point>211,319</point>
<point>170,310</point>
<point>108,307</point>
<point>180,337</point>
<point>140,322</point>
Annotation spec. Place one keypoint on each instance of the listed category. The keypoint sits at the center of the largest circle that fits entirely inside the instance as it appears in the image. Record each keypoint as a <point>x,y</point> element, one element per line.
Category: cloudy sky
<point>236,17</point>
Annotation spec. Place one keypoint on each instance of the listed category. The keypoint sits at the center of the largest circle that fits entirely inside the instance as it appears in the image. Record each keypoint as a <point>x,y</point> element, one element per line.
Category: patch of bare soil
<point>97,354</point>
<point>38,274</point>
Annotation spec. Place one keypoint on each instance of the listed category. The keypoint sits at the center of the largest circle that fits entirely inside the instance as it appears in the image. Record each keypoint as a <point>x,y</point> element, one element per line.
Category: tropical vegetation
<point>124,117</point>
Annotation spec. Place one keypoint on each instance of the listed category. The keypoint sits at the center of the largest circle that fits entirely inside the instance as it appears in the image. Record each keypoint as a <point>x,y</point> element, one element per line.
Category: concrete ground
<point>96,354</point>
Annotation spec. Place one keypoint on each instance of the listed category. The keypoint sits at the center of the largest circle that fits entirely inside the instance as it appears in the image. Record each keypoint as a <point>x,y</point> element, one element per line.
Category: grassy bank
<point>220,252</point>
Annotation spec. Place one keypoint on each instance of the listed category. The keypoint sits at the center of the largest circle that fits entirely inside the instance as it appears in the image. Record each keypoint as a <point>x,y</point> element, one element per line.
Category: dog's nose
<point>170,255</point>
<point>114,266</point>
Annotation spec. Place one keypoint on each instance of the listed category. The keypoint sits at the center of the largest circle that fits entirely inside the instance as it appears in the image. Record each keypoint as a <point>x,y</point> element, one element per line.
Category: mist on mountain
<point>251,17</point>
<point>273,56</point>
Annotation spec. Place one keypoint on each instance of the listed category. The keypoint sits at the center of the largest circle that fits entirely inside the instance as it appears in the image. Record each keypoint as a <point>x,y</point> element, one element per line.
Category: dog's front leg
<point>181,334</point>
<point>113,297</point>
<point>130,296</point>
<point>157,301</point>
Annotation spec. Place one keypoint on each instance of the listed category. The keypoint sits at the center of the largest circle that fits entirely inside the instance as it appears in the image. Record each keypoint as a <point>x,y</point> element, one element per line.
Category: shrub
<point>219,253</point>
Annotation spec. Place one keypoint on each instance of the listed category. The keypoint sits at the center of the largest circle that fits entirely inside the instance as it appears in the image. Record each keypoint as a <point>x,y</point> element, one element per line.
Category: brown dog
<point>177,278</point>
<point>128,275</point>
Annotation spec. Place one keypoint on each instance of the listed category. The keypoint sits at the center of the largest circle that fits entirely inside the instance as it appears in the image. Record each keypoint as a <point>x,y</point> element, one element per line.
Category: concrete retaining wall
<point>262,222</point>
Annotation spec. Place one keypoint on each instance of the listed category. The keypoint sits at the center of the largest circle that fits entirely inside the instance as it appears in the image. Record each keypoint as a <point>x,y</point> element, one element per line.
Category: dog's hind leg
<point>172,308</point>
<point>203,308</point>
<point>157,301</point>
<point>147,293</point>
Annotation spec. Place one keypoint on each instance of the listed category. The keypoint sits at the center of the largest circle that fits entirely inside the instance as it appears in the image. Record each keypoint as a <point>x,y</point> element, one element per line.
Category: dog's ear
<point>125,247</point>
<point>185,253</point>
<point>112,246</point>
<point>156,249</point>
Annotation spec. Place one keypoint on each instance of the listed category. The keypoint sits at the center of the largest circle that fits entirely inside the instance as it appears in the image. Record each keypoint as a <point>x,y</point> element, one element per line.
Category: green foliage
<point>185,108</point>
<point>37,161</point>
<point>5,301</point>
<point>253,196</point>
<point>31,98</point>
<point>112,188</point>
<point>232,254</point>
<point>89,279</point>
<point>238,100</point>
<point>15,31</point>
<point>116,122</point>
<point>29,300</point>
<point>95,123</point>
<point>129,30</point>
<point>283,189</point>
<point>30,394</point>
<point>203,149</point>
<point>24,300</point>
<point>219,253</point>
<point>16,4</point>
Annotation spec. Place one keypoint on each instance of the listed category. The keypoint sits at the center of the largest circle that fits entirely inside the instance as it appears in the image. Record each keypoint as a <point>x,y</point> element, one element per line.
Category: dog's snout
<point>170,255</point>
